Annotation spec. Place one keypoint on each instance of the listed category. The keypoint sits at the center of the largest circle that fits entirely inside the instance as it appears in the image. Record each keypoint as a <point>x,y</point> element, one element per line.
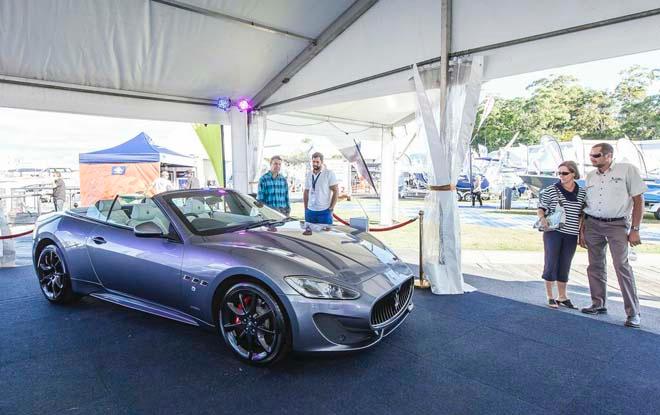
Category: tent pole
<point>224,159</point>
<point>445,46</point>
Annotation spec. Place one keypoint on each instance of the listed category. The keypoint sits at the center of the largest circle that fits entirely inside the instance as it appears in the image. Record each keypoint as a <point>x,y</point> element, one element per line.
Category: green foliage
<point>558,106</point>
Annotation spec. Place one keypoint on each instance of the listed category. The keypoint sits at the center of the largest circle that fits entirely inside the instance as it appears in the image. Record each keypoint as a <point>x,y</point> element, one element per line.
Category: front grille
<point>389,307</point>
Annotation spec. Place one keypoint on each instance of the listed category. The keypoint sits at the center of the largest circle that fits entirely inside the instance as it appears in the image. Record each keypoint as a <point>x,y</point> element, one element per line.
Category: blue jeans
<point>318,216</point>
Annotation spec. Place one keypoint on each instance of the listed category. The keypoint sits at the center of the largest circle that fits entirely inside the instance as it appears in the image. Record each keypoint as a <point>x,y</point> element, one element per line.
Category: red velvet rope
<point>389,228</point>
<point>17,235</point>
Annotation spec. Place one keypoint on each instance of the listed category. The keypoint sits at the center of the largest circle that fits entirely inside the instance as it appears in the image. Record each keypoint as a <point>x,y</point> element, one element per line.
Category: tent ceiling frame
<point>467,52</point>
<point>122,93</point>
<point>330,33</point>
<point>342,120</point>
<point>405,120</point>
<point>224,16</point>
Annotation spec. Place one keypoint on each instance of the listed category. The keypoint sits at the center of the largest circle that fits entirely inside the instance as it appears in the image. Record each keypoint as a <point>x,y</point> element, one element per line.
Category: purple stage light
<point>244,105</point>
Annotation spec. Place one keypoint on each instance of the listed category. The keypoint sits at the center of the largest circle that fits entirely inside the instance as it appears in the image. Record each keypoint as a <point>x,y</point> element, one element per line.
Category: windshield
<point>218,211</point>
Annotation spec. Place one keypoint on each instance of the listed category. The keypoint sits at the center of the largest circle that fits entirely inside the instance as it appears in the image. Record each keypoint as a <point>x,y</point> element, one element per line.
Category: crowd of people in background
<point>164,184</point>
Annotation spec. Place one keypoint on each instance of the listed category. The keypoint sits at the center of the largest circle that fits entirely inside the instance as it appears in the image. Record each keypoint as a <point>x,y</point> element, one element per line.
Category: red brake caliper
<point>240,307</point>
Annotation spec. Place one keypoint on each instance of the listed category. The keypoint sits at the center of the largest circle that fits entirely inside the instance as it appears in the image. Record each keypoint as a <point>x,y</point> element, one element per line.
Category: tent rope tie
<point>16,235</point>
<point>388,228</point>
<point>442,188</point>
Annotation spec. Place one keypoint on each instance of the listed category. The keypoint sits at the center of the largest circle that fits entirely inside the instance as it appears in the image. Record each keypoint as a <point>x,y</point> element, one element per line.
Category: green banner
<point>210,135</point>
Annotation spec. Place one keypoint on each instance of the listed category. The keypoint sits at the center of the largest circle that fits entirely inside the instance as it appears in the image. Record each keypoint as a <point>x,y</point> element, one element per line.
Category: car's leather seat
<point>102,207</point>
<point>148,213</point>
<point>196,207</point>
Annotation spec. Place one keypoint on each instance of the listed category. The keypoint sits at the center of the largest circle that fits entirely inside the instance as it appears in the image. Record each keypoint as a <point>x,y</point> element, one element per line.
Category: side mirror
<point>147,230</point>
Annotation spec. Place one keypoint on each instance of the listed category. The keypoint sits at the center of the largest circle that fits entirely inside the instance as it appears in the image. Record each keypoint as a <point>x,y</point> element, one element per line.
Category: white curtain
<point>448,146</point>
<point>256,139</point>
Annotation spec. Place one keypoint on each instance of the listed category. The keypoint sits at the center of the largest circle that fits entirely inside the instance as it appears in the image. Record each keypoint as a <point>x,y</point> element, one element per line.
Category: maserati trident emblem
<point>397,301</point>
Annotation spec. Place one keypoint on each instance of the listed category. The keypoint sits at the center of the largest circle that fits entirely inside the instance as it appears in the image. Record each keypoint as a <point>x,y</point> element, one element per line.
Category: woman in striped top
<point>559,245</point>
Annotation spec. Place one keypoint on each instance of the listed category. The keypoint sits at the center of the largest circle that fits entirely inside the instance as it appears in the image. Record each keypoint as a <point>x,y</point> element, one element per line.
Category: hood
<point>338,253</point>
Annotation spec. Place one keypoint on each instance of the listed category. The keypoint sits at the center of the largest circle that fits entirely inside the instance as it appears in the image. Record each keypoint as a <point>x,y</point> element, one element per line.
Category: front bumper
<point>333,326</point>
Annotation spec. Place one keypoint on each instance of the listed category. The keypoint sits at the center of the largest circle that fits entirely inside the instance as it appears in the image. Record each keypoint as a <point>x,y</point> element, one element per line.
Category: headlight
<point>315,288</point>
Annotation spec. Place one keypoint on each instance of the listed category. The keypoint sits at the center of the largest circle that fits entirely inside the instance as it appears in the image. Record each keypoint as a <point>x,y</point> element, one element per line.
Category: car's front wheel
<point>253,324</point>
<point>53,276</point>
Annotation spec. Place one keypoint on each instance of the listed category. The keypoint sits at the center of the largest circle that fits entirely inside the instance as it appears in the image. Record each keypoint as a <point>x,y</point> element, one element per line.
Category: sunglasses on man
<point>595,156</point>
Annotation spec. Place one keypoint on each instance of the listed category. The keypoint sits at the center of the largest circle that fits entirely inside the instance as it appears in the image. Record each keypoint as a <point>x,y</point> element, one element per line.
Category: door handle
<point>98,240</point>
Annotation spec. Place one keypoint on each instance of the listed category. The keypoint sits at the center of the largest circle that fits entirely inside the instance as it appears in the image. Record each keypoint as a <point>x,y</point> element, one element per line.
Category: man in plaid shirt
<point>274,188</point>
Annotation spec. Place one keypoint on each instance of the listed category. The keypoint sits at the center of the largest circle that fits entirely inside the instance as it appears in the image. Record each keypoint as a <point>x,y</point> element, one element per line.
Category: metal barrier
<point>25,205</point>
<point>421,283</point>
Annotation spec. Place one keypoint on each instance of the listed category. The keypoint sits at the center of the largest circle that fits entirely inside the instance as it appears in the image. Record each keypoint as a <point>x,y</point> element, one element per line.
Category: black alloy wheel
<point>53,277</point>
<point>253,324</point>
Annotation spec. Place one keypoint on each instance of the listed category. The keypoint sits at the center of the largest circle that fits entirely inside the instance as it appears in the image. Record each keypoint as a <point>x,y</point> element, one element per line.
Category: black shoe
<point>594,310</point>
<point>567,303</point>
<point>632,321</point>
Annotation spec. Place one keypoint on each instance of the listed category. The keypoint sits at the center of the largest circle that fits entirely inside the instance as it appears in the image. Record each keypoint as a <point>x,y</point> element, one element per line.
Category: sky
<point>48,139</point>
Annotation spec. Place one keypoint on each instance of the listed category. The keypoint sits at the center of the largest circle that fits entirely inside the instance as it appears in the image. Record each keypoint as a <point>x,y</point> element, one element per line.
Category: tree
<point>641,120</point>
<point>507,117</point>
<point>633,85</point>
<point>639,114</point>
<point>560,107</point>
<point>593,116</point>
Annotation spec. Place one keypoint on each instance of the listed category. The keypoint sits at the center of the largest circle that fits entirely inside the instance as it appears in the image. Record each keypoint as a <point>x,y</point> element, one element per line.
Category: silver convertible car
<point>219,259</point>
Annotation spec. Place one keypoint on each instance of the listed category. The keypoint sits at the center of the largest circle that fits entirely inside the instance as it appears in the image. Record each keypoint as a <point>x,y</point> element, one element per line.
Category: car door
<point>143,267</point>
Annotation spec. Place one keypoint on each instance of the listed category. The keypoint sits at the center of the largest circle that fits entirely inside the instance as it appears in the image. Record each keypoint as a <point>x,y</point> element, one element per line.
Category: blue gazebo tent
<point>130,167</point>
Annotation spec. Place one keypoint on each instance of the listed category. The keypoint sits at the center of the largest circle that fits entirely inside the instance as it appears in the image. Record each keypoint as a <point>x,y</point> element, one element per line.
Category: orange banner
<point>104,181</point>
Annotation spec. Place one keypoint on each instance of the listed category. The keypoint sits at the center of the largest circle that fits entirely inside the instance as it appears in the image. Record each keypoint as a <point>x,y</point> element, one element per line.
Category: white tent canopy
<point>343,63</point>
<point>169,60</point>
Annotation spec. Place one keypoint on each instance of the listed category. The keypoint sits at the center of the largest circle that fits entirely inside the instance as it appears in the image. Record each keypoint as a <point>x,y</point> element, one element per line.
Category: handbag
<point>556,220</point>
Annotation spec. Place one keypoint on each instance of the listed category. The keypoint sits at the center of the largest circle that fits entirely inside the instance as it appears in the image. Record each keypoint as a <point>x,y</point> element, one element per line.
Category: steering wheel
<point>191,214</point>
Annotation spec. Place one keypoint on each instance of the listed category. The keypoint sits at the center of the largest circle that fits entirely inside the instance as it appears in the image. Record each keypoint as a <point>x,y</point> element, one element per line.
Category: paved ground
<point>516,275</point>
<point>471,354</point>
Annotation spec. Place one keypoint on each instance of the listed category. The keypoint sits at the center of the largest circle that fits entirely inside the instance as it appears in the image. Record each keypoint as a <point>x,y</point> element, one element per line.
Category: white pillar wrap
<point>387,179</point>
<point>256,137</point>
<point>448,147</point>
<point>239,150</point>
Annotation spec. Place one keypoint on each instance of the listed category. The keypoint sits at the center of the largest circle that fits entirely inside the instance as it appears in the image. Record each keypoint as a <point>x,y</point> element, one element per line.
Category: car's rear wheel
<point>53,276</point>
<point>253,324</point>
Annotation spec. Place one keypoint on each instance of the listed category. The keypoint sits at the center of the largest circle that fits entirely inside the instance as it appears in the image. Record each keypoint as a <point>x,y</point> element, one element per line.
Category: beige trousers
<point>597,236</point>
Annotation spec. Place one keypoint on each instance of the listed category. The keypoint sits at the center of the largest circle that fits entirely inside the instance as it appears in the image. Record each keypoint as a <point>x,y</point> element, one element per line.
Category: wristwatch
<point>634,228</point>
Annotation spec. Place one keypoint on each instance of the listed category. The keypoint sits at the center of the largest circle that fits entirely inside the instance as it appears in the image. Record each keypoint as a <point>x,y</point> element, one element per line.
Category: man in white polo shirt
<point>612,215</point>
<point>321,191</point>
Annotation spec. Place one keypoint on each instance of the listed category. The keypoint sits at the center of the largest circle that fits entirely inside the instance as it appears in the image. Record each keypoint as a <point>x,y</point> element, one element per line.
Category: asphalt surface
<point>469,354</point>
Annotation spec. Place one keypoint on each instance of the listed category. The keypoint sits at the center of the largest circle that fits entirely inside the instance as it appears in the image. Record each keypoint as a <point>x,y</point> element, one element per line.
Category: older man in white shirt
<point>612,215</point>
